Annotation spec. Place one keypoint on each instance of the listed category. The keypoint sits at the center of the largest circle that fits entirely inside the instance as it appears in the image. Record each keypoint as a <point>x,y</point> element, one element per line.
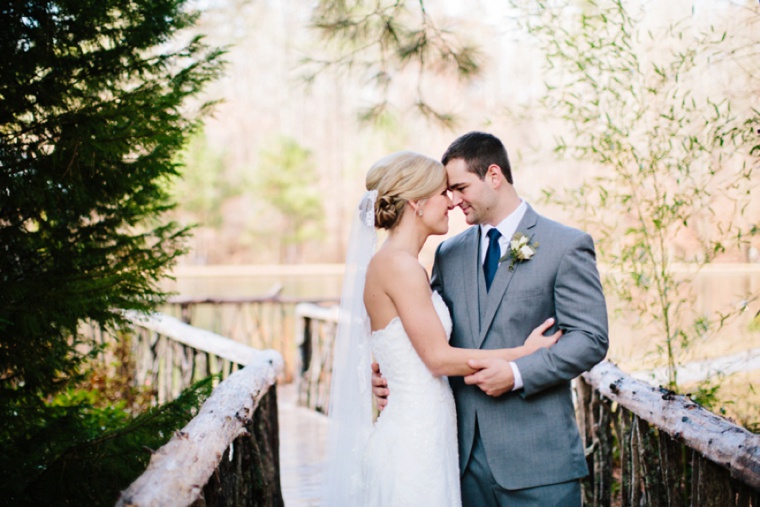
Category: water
<point>243,281</point>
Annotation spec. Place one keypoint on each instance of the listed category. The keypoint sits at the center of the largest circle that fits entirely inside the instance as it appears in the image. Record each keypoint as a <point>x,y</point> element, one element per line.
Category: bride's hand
<point>537,340</point>
<point>379,387</point>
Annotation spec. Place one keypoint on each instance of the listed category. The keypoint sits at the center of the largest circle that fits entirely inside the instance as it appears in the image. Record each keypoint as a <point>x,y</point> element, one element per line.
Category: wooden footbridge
<point>259,438</point>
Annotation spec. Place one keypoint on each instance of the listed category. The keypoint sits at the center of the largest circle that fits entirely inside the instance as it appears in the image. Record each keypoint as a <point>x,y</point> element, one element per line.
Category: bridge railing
<point>228,454</point>
<point>262,322</point>
<point>648,446</point>
<point>644,446</point>
<point>315,332</point>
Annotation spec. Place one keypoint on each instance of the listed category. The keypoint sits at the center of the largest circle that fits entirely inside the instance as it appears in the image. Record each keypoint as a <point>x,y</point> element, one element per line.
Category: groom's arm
<point>581,312</point>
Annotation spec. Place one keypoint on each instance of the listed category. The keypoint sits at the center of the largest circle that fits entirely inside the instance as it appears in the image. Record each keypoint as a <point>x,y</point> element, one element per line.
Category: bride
<point>409,457</point>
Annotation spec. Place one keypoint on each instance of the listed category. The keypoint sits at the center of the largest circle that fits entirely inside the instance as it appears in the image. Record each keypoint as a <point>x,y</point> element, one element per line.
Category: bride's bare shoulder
<point>394,263</point>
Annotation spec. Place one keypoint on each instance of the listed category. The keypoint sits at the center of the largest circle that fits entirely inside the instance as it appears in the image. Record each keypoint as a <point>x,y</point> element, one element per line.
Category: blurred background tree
<point>287,180</point>
<point>292,78</point>
<point>204,185</point>
<point>377,42</point>
<point>93,108</point>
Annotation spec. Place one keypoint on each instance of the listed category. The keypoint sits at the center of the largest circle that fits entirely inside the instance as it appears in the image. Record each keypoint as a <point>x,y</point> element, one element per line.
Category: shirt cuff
<point>518,377</point>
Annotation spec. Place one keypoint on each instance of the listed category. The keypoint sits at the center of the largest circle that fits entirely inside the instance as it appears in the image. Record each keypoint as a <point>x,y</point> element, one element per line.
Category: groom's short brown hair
<point>479,150</point>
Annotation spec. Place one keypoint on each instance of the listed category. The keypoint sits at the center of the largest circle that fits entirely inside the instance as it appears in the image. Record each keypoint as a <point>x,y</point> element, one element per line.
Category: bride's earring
<point>417,207</point>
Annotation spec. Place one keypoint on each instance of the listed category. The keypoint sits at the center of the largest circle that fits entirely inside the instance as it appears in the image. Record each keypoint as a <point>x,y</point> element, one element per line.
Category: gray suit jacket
<point>530,436</point>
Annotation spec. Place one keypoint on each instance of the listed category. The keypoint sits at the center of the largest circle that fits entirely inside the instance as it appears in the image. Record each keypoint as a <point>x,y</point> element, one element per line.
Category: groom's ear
<point>494,176</point>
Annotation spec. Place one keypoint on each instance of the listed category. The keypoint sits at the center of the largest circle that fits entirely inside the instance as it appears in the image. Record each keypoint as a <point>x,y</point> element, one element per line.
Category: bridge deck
<point>303,434</point>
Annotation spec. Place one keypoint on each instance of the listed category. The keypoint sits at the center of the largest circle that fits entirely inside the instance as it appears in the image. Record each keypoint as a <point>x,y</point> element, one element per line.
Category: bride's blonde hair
<point>399,178</point>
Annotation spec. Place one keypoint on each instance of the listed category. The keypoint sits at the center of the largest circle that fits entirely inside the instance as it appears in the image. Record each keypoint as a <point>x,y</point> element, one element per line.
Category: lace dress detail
<point>411,457</point>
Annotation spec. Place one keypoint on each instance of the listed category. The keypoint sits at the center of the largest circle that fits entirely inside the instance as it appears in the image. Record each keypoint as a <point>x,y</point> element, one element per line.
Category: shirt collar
<point>508,226</point>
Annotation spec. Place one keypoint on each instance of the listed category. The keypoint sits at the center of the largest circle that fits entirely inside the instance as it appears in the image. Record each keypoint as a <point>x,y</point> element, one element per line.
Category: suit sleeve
<point>581,313</point>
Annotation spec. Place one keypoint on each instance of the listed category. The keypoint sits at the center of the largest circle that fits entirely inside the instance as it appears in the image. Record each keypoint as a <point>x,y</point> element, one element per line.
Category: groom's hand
<point>494,376</point>
<point>379,387</point>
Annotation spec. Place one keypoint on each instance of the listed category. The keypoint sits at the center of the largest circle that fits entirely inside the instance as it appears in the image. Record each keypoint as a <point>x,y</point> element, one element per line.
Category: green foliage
<point>88,454</point>
<point>706,394</point>
<point>672,152</point>
<point>287,180</point>
<point>91,115</point>
<point>379,40</point>
<point>92,110</point>
<point>754,324</point>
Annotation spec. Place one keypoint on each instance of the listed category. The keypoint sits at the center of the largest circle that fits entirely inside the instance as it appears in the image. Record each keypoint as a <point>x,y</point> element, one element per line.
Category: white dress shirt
<point>507,228</point>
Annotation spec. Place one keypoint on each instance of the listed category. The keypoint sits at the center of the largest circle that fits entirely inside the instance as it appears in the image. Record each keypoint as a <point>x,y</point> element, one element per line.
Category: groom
<point>518,440</point>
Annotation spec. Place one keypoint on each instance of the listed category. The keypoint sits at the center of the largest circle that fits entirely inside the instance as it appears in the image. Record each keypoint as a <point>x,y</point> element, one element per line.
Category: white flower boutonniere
<point>520,249</point>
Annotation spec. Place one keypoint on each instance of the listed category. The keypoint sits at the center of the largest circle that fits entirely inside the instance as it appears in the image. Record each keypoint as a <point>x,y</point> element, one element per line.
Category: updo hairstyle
<point>399,178</point>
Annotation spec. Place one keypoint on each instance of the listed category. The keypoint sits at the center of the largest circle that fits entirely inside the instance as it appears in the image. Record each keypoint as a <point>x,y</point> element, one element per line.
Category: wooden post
<point>287,346</point>
<point>673,468</point>
<point>622,424</point>
<point>604,452</point>
<point>636,473</point>
<point>714,485</point>
<point>186,313</point>
<point>650,466</point>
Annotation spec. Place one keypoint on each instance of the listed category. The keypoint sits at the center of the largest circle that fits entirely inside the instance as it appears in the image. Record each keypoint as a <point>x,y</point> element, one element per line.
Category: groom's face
<point>473,195</point>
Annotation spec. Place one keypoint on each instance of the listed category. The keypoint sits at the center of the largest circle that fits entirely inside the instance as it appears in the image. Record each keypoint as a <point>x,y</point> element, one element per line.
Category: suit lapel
<point>470,263</point>
<point>502,279</point>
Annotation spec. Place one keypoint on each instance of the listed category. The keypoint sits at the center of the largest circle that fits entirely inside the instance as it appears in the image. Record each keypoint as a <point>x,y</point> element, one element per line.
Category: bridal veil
<point>350,408</point>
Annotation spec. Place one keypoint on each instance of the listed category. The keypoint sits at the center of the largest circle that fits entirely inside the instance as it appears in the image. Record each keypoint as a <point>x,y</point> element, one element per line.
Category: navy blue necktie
<point>492,256</point>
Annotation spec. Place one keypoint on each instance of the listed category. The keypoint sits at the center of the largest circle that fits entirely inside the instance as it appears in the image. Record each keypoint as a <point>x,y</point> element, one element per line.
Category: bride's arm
<point>380,385</point>
<point>410,293</point>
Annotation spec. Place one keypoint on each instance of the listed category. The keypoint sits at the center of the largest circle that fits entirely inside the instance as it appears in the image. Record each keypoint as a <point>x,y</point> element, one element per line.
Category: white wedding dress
<point>411,458</point>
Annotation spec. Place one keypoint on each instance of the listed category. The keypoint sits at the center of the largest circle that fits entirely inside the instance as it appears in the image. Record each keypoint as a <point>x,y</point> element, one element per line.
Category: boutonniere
<point>520,249</point>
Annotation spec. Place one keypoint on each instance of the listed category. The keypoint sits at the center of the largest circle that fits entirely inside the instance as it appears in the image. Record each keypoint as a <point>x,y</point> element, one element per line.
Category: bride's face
<point>435,210</point>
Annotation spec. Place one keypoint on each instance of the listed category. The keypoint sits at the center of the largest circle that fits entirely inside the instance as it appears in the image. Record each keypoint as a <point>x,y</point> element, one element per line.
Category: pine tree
<point>93,107</point>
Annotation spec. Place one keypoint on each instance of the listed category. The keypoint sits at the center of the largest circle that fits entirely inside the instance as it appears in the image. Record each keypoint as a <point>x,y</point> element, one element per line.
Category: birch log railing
<point>315,330</point>
<point>170,355</point>
<point>262,322</point>
<point>664,448</point>
<point>645,446</point>
<point>228,454</point>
